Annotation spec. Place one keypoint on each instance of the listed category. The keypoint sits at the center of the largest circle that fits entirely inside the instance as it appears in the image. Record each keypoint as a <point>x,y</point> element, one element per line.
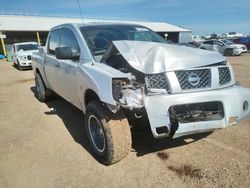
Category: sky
<point>203,17</point>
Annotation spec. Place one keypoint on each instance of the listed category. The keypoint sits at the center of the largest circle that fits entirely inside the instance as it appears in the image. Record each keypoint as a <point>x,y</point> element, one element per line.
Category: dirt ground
<point>40,148</point>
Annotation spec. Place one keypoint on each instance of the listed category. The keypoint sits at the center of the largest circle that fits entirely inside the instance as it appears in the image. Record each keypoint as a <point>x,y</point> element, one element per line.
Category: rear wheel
<point>109,134</point>
<point>228,52</point>
<point>43,94</point>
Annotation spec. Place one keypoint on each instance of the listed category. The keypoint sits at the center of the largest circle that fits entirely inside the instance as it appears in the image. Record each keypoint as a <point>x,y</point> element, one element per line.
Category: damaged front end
<point>179,90</point>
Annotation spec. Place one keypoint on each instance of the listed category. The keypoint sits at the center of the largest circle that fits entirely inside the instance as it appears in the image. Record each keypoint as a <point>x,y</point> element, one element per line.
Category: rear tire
<point>43,94</point>
<point>109,134</point>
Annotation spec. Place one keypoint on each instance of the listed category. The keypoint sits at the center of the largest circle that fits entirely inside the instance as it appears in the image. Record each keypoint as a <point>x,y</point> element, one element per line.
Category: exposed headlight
<point>132,98</point>
<point>127,94</point>
<point>117,85</point>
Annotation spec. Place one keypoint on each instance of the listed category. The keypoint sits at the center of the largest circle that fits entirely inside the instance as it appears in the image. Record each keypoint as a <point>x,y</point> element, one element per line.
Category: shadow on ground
<point>24,68</point>
<point>142,141</point>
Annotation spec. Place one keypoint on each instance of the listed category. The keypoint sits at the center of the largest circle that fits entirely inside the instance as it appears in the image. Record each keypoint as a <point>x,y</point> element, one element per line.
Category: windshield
<point>228,42</point>
<point>26,47</point>
<point>99,38</point>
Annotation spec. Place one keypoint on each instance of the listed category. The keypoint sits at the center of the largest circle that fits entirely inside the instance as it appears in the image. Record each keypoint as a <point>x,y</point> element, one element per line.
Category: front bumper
<point>239,51</point>
<point>25,63</point>
<point>232,98</point>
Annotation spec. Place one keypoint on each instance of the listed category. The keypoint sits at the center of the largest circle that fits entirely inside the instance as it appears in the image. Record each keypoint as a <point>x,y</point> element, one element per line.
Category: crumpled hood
<point>152,57</point>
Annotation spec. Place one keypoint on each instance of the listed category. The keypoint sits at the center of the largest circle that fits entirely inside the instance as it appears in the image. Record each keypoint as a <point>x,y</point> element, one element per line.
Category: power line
<point>79,6</point>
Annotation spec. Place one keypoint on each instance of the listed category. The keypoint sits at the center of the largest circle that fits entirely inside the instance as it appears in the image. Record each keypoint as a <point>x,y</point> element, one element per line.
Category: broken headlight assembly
<point>127,93</point>
<point>157,83</point>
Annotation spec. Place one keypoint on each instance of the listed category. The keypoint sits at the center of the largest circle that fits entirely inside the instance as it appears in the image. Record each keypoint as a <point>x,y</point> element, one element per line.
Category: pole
<point>38,38</point>
<point>3,45</point>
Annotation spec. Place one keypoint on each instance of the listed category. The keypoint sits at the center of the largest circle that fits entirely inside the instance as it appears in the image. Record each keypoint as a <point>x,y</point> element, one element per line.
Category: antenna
<point>79,6</point>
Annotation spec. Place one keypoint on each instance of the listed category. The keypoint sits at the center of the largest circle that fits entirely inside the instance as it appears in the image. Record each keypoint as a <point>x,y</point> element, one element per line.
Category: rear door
<point>51,64</point>
<point>68,68</point>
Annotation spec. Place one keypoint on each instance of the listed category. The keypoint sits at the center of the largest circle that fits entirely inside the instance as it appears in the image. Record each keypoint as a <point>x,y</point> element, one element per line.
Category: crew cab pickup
<point>120,75</point>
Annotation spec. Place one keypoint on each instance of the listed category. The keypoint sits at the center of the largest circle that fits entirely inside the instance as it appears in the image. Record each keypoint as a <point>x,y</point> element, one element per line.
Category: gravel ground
<point>40,148</point>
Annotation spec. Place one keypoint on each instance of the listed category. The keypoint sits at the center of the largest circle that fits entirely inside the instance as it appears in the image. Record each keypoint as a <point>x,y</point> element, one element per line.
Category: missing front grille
<point>195,112</point>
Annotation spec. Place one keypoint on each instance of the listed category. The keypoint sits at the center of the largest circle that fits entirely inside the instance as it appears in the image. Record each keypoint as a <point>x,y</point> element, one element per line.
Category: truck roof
<point>78,25</point>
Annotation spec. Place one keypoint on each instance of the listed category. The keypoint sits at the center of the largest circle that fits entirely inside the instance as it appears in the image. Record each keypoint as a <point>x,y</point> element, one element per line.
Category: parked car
<point>243,40</point>
<point>226,48</point>
<point>22,54</point>
<point>239,46</point>
<point>121,75</point>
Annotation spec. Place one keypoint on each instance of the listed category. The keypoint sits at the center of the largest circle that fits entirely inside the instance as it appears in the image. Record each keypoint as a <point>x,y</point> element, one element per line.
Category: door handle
<point>57,64</point>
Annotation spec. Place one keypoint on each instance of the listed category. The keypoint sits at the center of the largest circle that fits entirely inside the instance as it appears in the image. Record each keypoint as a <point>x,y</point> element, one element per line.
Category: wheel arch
<point>38,71</point>
<point>90,95</point>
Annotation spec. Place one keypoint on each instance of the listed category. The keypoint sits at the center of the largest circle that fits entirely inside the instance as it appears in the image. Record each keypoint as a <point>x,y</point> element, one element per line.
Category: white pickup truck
<point>119,74</point>
<point>22,54</point>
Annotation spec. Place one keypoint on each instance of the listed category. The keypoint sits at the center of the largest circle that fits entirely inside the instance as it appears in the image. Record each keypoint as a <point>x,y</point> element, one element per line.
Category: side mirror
<point>65,53</point>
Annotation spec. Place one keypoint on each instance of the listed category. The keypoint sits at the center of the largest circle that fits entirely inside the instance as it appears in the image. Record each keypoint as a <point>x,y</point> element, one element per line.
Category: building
<point>20,28</point>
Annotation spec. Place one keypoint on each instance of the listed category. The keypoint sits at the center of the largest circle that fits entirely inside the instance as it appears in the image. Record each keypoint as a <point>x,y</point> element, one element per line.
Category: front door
<point>51,64</point>
<point>68,68</point>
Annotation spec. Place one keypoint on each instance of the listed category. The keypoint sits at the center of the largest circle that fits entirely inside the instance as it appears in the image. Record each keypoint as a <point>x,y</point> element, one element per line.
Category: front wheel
<point>19,66</point>
<point>109,134</point>
<point>228,52</point>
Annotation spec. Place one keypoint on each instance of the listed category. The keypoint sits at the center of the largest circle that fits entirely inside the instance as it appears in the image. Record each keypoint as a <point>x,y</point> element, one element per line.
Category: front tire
<point>19,66</point>
<point>43,94</point>
<point>228,52</point>
<point>109,134</point>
